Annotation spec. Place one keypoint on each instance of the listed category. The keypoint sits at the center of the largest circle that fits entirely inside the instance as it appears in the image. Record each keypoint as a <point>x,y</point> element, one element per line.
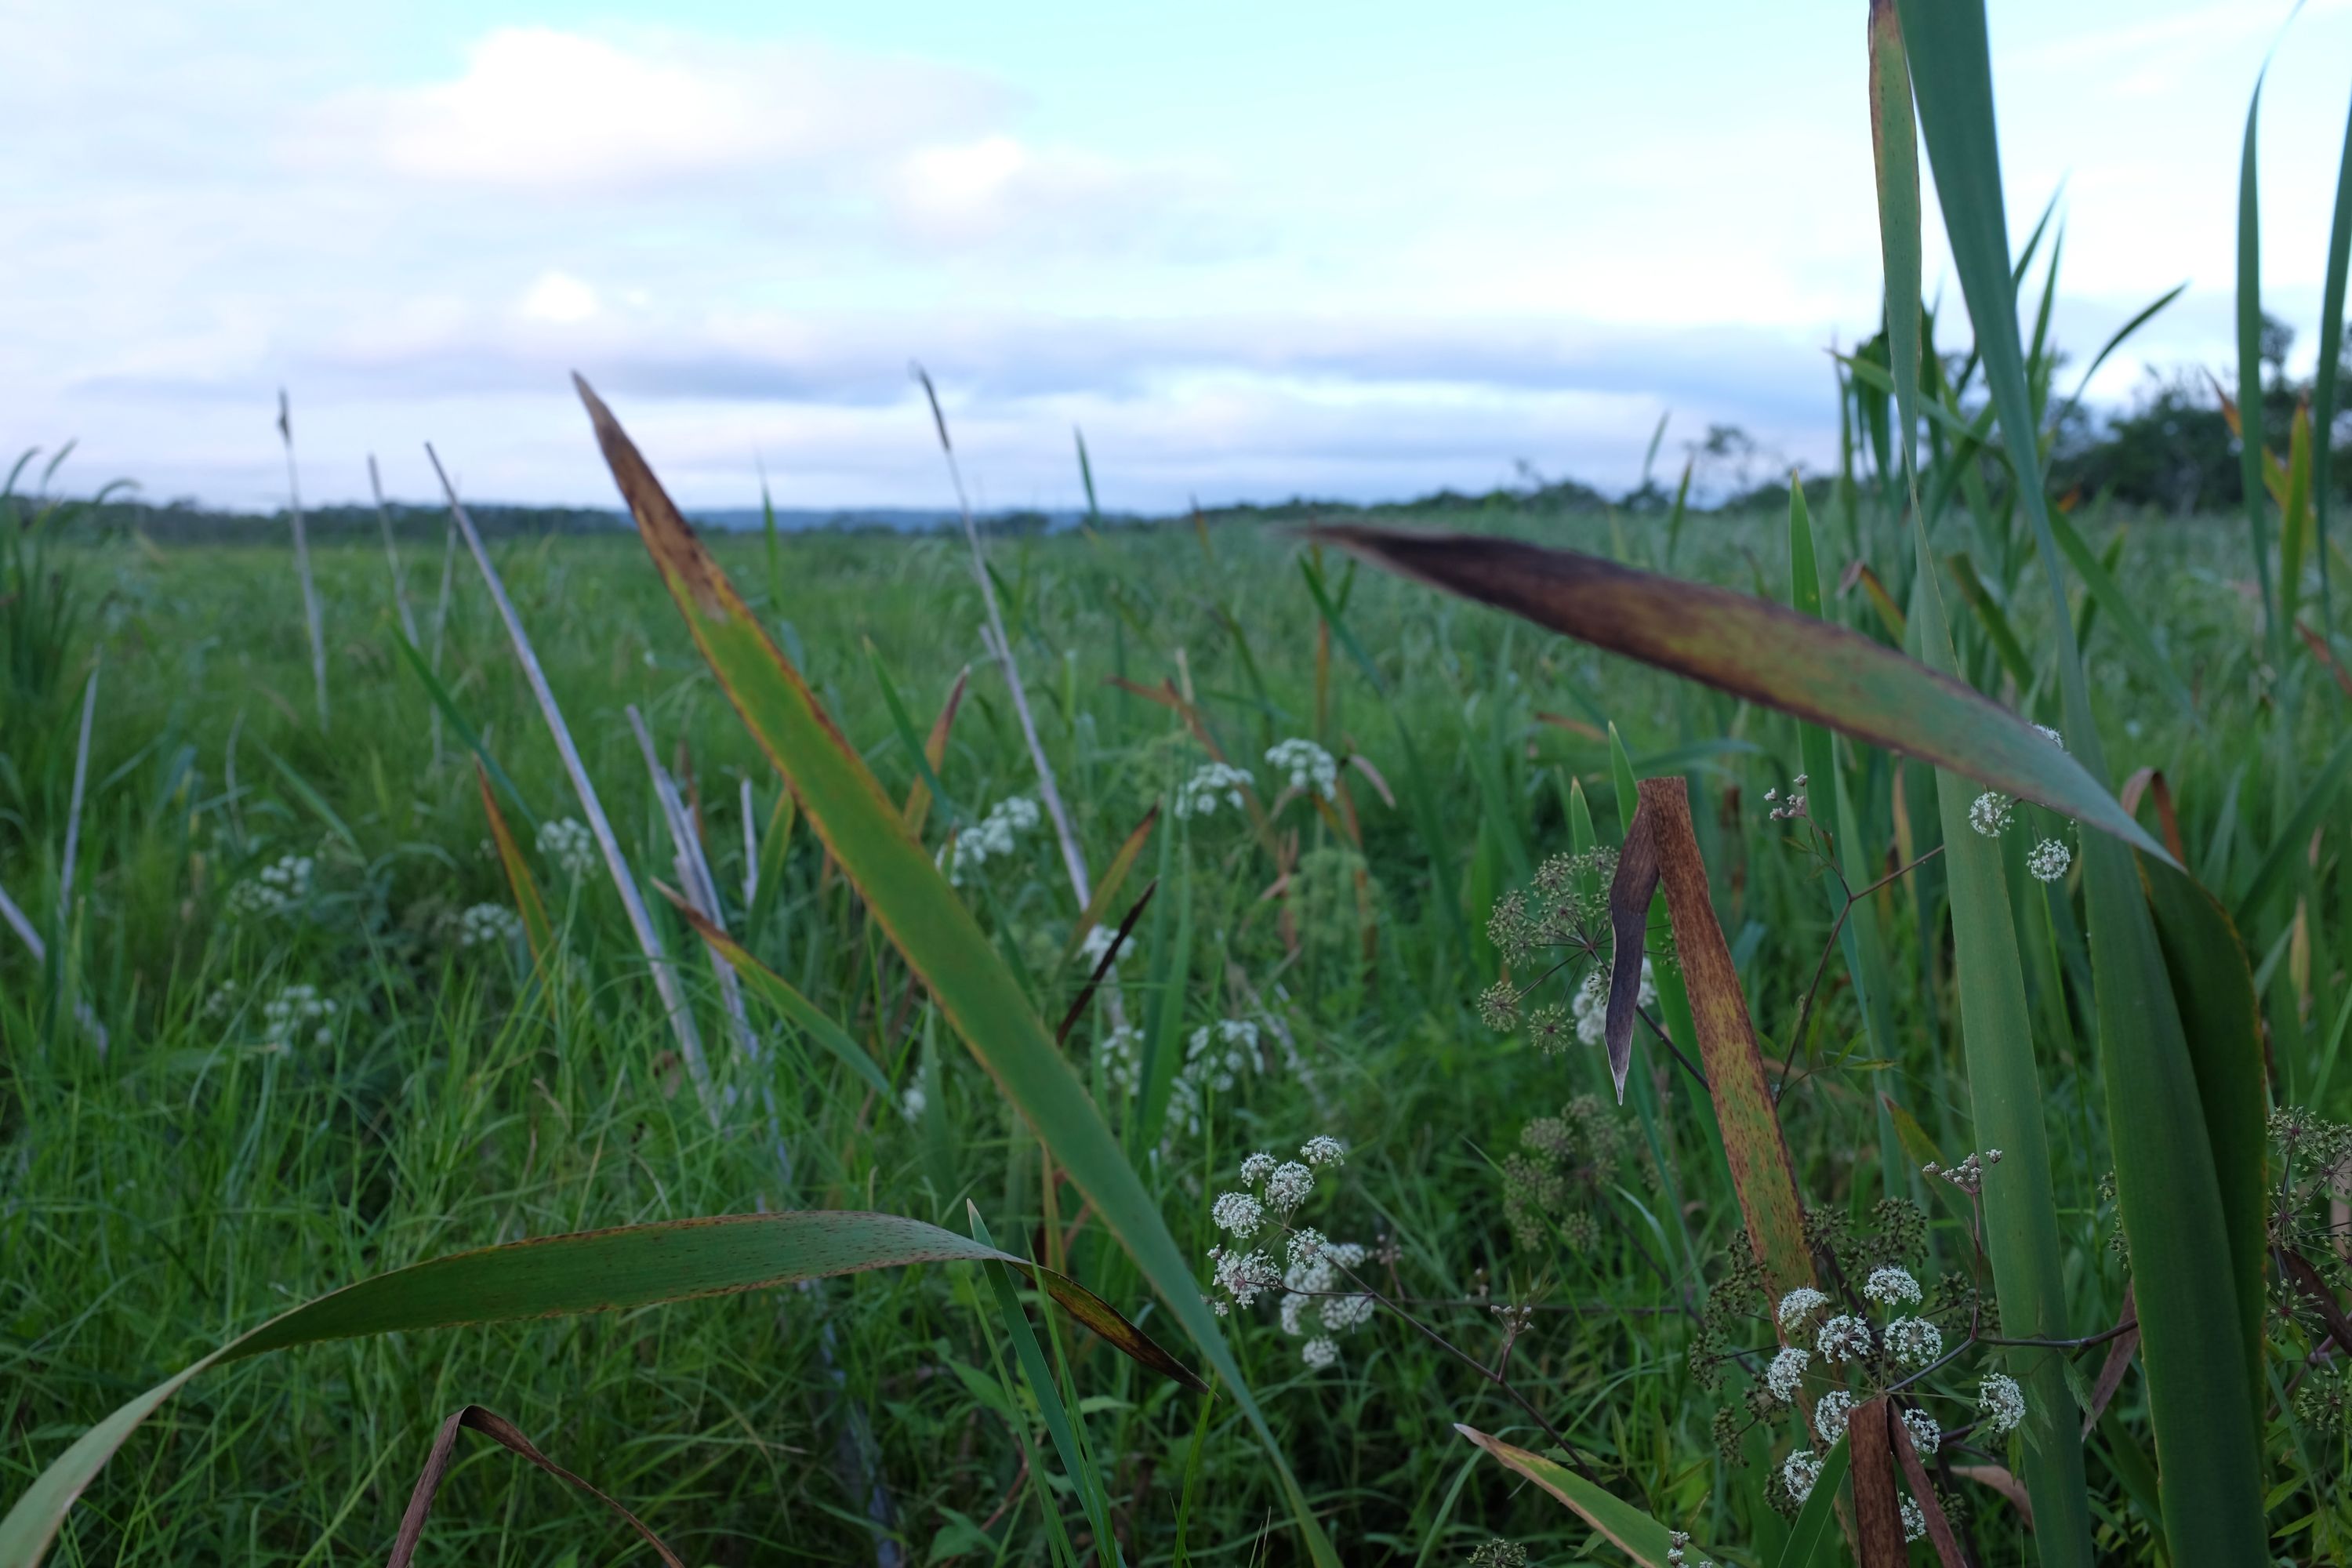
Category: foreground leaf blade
<point>560,1276</point>
<point>1625,1527</point>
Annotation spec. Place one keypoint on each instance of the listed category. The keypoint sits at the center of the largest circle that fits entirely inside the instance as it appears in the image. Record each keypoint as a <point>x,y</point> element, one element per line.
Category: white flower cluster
<point>1797,1306</point>
<point>1591,1004</point>
<point>279,887</point>
<point>488,925</point>
<point>1098,943</point>
<point>1892,1286</point>
<point>1990,814</point>
<point>1121,1053</point>
<point>1831,1412</point>
<point>995,837</point>
<point>1316,1304</point>
<point>1215,1057</point>
<point>1925,1438</point>
<point>1786,1372</point>
<point>1215,782</point>
<point>1307,765</point>
<point>2001,1402</point>
<point>570,845</point>
<point>1844,1338</point>
<point>1314,1295</point>
<point>1789,810</point>
<point>2048,860</point>
<point>1800,1470</point>
<point>295,1009</point>
<point>1913,1341</point>
<point>911,1103</point>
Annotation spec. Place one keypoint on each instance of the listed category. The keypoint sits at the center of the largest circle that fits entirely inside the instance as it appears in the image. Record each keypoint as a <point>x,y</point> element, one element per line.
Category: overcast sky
<point>1252,250</point>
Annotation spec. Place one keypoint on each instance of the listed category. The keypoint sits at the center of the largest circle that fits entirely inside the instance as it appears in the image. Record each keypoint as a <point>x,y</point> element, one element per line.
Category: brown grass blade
<point>1759,650</point>
<point>1922,1491</point>
<point>2150,781</point>
<point>1662,847</point>
<point>507,1435</point>
<point>935,752</point>
<point>536,927</point>
<point>2119,1355</point>
<point>1877,1502</point>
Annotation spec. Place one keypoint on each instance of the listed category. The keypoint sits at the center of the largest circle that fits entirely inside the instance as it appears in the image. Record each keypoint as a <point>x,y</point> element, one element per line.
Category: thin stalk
<point>689,1041</point>
<point>302,557</point>
<point>1000,647</point>
<point>73,811</point>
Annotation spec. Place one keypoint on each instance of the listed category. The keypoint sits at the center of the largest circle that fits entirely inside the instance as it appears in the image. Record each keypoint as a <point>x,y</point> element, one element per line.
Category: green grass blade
<point>1625,1527</point>
<point>2109,596</point>
<point>779,994</point>
<point>2169,1191</point>
<point>910,900</point>
<point>1757,650</point>
<point>2293,840</point>
<point>536,926</point>
<point>2331,351</point>
<point>562,1276</point>
<point>2250,363</point>
<point>1813,1537</point>
<point>448,707</point>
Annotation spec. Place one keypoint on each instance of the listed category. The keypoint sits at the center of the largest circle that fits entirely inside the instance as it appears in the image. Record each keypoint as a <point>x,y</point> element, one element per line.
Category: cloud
<point>558,298</point>
<point>536,109</point>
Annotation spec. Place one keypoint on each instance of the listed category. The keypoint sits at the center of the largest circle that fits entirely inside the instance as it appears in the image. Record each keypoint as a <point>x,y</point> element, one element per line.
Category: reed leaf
<point>563,1276</point>
<point>1622,1525</point>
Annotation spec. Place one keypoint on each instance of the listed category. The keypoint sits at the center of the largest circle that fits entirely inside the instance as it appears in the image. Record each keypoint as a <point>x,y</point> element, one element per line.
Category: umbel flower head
<point>2048,860</point>
<point>1990,813</point>
<point>2001,1402</point>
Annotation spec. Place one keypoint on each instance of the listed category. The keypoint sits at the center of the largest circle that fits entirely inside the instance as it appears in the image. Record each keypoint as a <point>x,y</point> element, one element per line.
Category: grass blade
<point>2100,583</point>
<point>909,899</point>
<point>1813,1539</point>
<point>2293,839</point>
<point>2331,349</point>
<point>507,1435</point>
<point>562,1276</point>
<point>934,753</point>
<point>1662,848</point>
<point>1759,650</point>
<point>779,994</point>
<point>446,706</point>
<point>536,927</point>
<point>1622,1525</point>
<point>2250,361</point>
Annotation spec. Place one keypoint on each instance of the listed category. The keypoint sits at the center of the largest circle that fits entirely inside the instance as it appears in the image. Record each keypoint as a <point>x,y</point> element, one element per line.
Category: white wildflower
<point>1832,1414</point>
<point>1591,1004</point>
<point>1800,1470</point>
<point>1915,1342</point>
<point>279,887</point>
<point>1843,1338</point>
<point>1787,1370</point>
<point>994,837</point>
<point>1289,1187</point>
<point>2001,1402</point>
<point>1925,1438</point>
<point>1258,1168</point>
<point>1341,1313</point>
<point>1323,1149</point>
<point>912,1103</point>
<point>1307,765</point>
<point>1244,1276</point>
<point>2049,860</point>
<point>294,1009</point>
<point>1915,1520</point>
<point>1319,1353</point>
<point>1306,1246</point>
<point>1797,1306</point>
<point>1293,1312</point>
<point>1098,943</point>
<point>488,925</point>
<point>1213,782</point>
<point>1990,813</point>
<point>1237,1214</point>
<point>570,845</point>
<point>1892,1286</point>
<point>1121,1054</point>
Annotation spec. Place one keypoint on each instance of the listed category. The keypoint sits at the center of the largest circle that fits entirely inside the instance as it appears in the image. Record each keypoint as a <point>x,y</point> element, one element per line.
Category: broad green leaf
<point>562,1276</point>
<point>1813,1539</point>
<point>2168,1185</point>
<point>2215,992</point>
<point>1757,650</point>
<point>912,901</point>
<point>1997,1038</point>
<point>1625,1527</point>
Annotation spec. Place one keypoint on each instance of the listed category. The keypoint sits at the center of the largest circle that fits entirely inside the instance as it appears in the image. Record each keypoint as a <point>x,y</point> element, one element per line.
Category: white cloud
<point>559,298</point>
<point>544,109</point>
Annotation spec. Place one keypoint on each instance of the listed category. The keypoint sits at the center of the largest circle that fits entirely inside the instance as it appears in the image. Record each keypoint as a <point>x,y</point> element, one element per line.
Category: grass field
<point>213,1166</point>
<point>1819,1036</point>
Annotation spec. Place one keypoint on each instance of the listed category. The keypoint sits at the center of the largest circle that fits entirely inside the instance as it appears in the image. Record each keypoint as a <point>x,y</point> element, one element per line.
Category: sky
<point>1253,252</point>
